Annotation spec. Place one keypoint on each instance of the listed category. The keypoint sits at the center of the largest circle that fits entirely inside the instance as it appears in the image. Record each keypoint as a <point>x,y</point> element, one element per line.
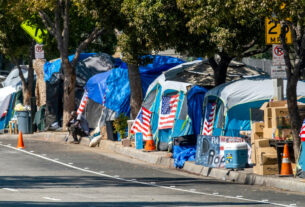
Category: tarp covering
<point>96,87</point>
<point>195,98</point>
<point>7,96</point>
<point>54,67</point>
<point>13,78</point>
<point>118,90</point>
<point>181,154</point>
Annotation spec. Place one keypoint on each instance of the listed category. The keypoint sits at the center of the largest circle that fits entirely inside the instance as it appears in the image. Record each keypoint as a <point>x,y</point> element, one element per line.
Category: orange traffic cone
<point>20,141</point>
<point>150,144</point>
<point>286,169</point>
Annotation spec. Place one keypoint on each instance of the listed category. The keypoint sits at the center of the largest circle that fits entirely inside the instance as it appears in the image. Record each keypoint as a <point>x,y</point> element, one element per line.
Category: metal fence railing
<point>263,64</point>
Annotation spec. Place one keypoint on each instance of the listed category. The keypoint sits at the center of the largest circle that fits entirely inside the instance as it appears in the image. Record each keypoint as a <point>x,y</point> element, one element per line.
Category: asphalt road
<point>53,174</point>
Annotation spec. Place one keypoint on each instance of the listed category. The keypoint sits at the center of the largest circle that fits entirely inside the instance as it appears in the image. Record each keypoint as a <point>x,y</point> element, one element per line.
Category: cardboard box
<point>266,169</point>
<point>265,155</point>
<point>268,133</point>
<point>253,155</point>
<point>261,143</point>
<point>266,159</point>
<point>257,127</point>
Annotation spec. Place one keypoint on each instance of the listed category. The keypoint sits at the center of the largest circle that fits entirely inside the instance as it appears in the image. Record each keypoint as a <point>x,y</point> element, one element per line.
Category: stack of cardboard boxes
<point>263,156</point>
<point>276,126</point>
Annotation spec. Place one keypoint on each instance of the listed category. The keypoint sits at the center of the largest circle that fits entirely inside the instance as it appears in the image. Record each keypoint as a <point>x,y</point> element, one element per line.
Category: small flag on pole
<point>209,119</point>
<point>142,123</point>
<point>83,103</point>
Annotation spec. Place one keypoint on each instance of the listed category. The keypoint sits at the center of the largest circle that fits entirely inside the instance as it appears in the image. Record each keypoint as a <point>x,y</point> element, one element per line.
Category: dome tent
<point>235,99</point>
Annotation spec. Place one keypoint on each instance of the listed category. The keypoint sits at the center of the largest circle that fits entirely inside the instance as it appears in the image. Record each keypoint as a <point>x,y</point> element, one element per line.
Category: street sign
<point>39,52</point>
<point>34,31</point>
<point>278,71</point>
<point>273,31</point>
<point>278,55</point>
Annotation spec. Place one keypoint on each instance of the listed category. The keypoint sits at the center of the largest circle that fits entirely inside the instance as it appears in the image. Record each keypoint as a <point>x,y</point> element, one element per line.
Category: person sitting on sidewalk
<point>77,126</point>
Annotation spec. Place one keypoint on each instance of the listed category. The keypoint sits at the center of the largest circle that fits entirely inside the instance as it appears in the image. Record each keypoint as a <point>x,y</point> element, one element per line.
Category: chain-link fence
<point>263,64</point>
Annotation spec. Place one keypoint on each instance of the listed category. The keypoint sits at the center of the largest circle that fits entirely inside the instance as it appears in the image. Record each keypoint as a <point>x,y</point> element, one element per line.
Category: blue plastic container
<point>139,140</point>
<point>236,155</point>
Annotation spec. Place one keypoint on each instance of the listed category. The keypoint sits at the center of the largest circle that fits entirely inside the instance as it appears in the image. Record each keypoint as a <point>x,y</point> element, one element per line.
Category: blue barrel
<point>236,155</point>
<point>24,121</point>
<point>139,140</point>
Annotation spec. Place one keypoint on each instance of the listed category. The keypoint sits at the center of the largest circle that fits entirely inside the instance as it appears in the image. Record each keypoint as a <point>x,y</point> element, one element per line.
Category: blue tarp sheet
<point>54,67</point>
<point>96,87</point>
<point>118,91</point>
<point>182,154</point>
<point>195,99</point>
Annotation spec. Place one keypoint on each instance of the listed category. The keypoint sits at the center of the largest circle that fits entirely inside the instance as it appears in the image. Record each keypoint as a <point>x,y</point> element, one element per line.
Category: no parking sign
<point>39,52</point>
<point>278,55</point>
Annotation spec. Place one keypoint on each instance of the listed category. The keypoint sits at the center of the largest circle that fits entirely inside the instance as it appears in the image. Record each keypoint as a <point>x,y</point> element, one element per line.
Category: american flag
<point>168,111</point>
<point>83,103</point>
<point>302,133</point>
<point>209,119</point>
<point>142,123</point>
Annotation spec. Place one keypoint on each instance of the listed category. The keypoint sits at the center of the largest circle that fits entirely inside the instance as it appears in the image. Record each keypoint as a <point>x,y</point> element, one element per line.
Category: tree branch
<point>47,22</point>
<point>94,34</point>
<point>20,72</point>
<point>254,52</point>
<point>65,16</point>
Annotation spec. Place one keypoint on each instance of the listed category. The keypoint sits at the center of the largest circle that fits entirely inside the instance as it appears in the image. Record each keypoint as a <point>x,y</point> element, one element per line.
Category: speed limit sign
<point>39,52</point>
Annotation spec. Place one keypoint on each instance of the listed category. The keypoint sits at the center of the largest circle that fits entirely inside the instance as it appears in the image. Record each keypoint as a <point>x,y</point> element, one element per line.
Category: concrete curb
<point>162,159</point>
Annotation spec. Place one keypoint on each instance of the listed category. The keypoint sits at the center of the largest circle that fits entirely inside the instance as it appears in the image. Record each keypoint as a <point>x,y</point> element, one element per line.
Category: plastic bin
<point>139,140</point>
<point>24,121</point>
<point>236,155</point>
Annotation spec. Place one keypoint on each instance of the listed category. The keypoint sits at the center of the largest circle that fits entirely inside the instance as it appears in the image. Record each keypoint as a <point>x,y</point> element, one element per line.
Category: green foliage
<point>229,27</point>
<point>120,124</point>
<point>14,43</point>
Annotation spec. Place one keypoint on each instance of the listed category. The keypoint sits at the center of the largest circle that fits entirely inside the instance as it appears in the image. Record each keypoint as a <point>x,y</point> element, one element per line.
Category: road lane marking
<point>172,186</point>
<point>145,183</point>
<point>10,189</point>
<point>70,163</point>
<point>32,151</point>
<point>86,168</point>
<point>52,199</point>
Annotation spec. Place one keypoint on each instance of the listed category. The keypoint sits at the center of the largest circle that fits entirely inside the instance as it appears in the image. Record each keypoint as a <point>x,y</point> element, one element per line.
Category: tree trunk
<point>220,69</point>
<point>40,91</point>
<point>295,118</point>
<point>69,90</point>
<point>136,94</point>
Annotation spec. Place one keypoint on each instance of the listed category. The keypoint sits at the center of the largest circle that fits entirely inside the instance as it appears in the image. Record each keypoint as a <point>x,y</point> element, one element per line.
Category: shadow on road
<point>41,182</point>
<point>116,204</point>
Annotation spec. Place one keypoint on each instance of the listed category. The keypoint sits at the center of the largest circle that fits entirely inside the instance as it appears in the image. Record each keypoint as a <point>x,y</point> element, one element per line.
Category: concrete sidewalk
<point>163,159</point>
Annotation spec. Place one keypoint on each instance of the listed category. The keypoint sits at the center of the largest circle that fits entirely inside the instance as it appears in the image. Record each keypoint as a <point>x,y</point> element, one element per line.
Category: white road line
<point>70,163</point>
<point>32,151</point>
<point>172,186</point>
<point>215,193</point>
<point>10,189</point>
<point>102,172</point>
<point>86,168</point>
<point>52,199</point>
<point>144,183</point>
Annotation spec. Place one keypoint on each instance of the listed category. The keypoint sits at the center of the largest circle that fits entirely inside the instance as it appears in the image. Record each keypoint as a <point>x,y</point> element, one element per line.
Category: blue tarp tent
<point>235,99</point>
<point>118,91</point>
<point>96,87</point>
<point>53,67</point>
